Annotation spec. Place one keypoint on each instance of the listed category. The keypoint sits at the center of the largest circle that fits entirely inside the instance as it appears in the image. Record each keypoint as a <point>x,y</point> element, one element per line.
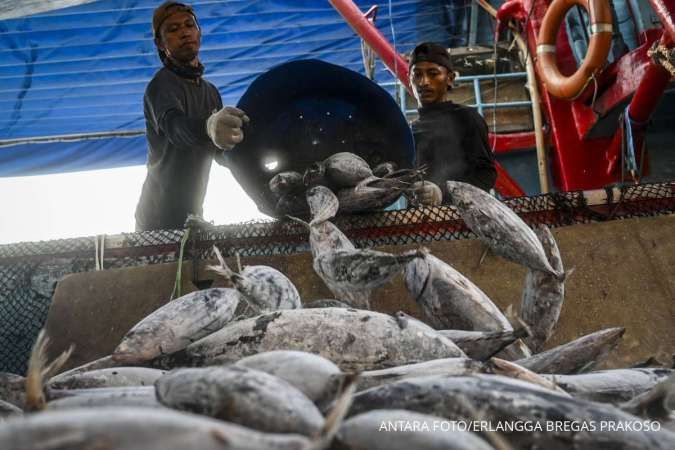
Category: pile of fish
<point>332,374</point>
<point>357,186</point>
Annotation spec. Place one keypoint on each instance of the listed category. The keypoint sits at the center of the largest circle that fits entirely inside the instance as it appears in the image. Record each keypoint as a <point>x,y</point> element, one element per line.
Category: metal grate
<point>29,271</point>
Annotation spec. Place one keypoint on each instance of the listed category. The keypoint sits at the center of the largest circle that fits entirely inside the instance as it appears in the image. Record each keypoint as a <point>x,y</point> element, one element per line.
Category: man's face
<point>430,82</point>
<point>180,37</point>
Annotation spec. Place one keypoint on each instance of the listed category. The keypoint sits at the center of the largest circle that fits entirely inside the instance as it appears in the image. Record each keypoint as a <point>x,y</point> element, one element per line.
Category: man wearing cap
<point>451,140</point>
<point>186,124</point>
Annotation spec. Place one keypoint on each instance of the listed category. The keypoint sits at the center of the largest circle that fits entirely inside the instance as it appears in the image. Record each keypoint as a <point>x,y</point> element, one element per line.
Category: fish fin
<point>300,221</point>
<point>655,402</point>
<point>520,328</point>
<point>563,276</point>
<point>222,269</point>
<point>38,369</point>
<point>337,414</point>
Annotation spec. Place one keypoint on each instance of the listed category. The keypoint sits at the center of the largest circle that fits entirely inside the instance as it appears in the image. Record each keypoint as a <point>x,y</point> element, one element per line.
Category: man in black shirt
<point>186,124</point>
<point>450,139</point>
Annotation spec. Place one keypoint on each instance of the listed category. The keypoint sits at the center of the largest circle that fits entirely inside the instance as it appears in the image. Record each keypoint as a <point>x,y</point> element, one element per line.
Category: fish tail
<point>222,269</point>
<point>38,370</point>
<point>562,277</point>
<point>653,403</point>
<point>336,416</point>
<point>421,252</point>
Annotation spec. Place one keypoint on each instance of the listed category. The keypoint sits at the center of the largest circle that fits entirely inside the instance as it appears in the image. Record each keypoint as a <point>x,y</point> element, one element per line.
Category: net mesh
<point>29,271</point>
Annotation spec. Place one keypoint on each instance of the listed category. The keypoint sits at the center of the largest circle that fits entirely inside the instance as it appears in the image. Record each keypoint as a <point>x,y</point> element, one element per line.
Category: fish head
<point>462,195</point>
<point>285,182</point>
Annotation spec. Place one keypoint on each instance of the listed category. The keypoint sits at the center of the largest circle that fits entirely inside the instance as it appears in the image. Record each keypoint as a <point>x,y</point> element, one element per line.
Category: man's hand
<point>224,127</point>
<point>428,193</point>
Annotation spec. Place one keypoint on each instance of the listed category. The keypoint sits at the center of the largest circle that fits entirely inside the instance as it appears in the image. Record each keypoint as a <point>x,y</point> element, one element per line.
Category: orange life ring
<point>598,48</point>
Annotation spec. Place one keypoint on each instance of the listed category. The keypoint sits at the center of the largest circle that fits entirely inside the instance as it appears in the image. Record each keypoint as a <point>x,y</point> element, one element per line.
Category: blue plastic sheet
<point>84,69</point>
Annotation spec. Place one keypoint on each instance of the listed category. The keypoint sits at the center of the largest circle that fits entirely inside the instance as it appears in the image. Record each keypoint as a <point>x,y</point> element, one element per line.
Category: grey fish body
<point>7,409</point>
<point>286,183</point>
<point>137,429</point>
<point>445,366</point>
<point>367,198</point>
<point>499,227</point>
<point>399,429</point>
<point>543,294</point>
<point>106,362</point>
<point>481,345</point>
<point>611,386</point>
<point>501,399</point>
<point>326,303</point>
<point>346,169</point>
<point>352,339</point>
<point>352,275</point>
<point>13,388</point>
<point>293,204</point>
<point>136,396</point>
<point>176,324</point>
<point>315,376</point>
<point>323,204</point>
<point>112,377</point>
<point>580,354</point>
<point>243,396</point>
<point>385,168</point>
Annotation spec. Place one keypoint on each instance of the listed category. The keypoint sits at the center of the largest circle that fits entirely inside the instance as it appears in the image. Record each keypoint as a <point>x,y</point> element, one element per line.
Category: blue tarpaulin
<point>77,75</point>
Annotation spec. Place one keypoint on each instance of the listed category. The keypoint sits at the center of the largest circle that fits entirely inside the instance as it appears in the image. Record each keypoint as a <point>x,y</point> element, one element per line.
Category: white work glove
<point>224,127</point>
<point>428,193</point>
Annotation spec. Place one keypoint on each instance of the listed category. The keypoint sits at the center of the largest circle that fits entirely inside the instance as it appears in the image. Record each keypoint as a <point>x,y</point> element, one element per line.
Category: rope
<point>663,56</point>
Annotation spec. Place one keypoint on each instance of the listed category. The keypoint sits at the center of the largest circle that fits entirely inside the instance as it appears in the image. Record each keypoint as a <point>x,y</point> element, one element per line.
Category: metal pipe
<point>375,40</point>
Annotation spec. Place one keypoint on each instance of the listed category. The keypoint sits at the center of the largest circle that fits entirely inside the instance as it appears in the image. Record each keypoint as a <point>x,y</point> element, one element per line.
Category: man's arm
<point>165,113</point>
<point>479,155</point>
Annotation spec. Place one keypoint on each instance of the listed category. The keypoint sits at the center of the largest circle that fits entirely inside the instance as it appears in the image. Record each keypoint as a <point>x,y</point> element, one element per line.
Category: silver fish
<point>611,386</point>
<point>543,295</point>
<point>513,370</point>
<point>445,366</point>
<point>313,375</point>
<point>105,362</point>
<point>134,396</point>
<point>367,198</point>
<point>347,169</point>
<point>578,355</point>
<point>501,229</point>
<point>352,339</point>
<point>138,429</point>
<point>176,324</point>
<point>286,183</point>
<point>449,300</point>
<point>399,429</point>
<point>263,287</point>
<point>352,275</point>
<point>243,396</point>
<point>482,345</point>
<point>113,377</point>
<point>497,399</point>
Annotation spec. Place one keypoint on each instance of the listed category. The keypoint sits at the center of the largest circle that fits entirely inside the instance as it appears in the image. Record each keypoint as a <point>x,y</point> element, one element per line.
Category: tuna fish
<point>367,198</point>
<point>286,183</point>
<point>176,324</point>
<point>314,376</point>
<point>657,403</point>
<point>352,339</point>
<point>346,169</point>
<point>294,204</point>
<point>114,377</point>
<point>326,303</point>
<point>135,396</point>
<point>323,204</point>
<point>263,287</point>
<point>611,386</point>
<point>579,355</point>
<point>399,429</point>
<point>138,429</point>
<point>482,345</point>
<point>243,396</point>
<point>446,366</point>
<point>384,169</point>
<point>543,295</point>
<point>449,300</point>
<point>499,227</point>
<point>507,402</point>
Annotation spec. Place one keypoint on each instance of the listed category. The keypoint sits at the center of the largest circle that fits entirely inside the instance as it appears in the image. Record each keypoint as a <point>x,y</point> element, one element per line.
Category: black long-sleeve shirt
<point>179,150</point>
<point>452,141</point>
